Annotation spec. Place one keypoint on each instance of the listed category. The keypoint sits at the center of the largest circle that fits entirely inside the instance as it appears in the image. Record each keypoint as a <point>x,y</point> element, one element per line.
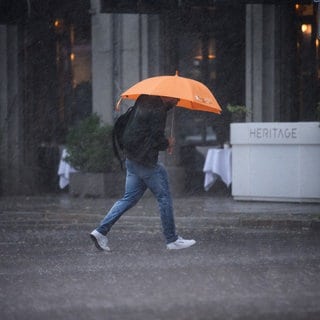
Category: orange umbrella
<point>192,94</point>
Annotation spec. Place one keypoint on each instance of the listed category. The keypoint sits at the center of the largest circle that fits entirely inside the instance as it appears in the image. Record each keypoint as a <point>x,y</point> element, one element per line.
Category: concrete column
<point>140,48</point>
<point>102,62</point>
<point>125,50</point>
<point>11,155</point>
<point>153,30</point>
<point>3,83</point>
<point>131,50</point>
<point>262,63</point>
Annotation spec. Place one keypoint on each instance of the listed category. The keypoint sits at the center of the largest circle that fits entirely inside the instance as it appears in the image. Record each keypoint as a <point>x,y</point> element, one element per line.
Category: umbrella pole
<point>170,149</point>
<point>117,108</point>
<point>172,123</point>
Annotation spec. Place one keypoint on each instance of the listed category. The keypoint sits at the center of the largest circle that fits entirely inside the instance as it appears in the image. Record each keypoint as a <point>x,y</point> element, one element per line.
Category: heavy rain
<point>244,181</point>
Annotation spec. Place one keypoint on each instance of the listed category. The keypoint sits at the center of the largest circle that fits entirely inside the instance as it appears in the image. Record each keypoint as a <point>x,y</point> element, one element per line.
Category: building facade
<point>61,61</point>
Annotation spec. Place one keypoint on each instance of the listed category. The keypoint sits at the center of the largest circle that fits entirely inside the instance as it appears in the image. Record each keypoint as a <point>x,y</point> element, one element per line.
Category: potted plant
<point>89,147</point>
<point>238,112</point>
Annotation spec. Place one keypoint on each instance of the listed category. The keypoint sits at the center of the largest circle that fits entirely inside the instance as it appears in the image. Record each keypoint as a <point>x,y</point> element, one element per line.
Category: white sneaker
<point>180,243</point>
<point>99,240</point>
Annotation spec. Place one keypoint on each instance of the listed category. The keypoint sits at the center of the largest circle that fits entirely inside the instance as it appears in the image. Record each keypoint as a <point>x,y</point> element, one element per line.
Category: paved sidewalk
<point>252,261</point>
<point>194,210</point>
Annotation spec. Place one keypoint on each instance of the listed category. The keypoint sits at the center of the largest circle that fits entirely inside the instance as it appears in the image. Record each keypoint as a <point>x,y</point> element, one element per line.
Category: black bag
<point>117,134</point>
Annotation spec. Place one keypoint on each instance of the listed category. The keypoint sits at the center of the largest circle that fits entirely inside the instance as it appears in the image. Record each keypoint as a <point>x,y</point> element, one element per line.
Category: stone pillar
<point>262,63</point>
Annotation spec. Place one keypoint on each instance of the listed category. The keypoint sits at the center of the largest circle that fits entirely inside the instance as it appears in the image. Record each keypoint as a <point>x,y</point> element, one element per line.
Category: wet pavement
<point>252,260</point>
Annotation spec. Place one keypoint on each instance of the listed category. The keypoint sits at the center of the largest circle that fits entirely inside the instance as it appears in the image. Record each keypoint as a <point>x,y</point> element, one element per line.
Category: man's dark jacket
<point>144,136</point>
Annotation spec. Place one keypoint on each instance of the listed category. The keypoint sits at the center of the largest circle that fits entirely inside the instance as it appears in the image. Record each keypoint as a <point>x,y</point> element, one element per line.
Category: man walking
<point>143,139</point>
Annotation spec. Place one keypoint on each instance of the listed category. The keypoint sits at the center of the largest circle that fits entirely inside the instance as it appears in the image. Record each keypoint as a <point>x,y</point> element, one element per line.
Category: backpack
<point>117,135</point>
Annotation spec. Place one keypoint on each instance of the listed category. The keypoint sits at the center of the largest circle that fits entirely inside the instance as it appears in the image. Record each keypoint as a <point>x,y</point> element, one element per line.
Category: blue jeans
<point>138,179</point>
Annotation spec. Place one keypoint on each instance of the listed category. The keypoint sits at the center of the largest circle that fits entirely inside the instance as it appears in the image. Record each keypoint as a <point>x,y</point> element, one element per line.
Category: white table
<point>64,170</point>
<point>217,164</point>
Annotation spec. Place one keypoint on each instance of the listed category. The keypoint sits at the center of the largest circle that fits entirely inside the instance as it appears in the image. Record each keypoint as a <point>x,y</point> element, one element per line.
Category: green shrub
<point>89,145</point>
<point>237,112</point>
<point>237,109</point>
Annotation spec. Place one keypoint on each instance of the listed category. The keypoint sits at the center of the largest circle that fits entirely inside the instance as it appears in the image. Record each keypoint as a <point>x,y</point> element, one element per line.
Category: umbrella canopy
<point>192,94</point>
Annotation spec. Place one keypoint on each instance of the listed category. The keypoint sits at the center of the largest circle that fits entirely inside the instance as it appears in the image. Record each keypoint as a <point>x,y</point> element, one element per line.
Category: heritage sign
<point>273,133</point>
<point>276,133</point>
